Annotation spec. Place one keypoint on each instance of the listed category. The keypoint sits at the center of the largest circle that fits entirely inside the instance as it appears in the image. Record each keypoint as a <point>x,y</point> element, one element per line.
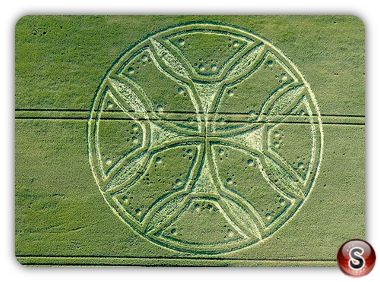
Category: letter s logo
<point>356,261</point>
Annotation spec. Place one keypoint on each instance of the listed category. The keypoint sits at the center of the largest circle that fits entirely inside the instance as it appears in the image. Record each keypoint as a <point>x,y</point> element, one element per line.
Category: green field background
<point>61,217</point>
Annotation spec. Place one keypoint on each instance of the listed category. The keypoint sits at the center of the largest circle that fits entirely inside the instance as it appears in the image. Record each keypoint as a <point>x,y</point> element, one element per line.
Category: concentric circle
<point>204,138</point>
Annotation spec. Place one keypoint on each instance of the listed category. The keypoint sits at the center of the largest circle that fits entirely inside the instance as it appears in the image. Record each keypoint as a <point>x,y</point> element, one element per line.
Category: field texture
<point>188,140</point>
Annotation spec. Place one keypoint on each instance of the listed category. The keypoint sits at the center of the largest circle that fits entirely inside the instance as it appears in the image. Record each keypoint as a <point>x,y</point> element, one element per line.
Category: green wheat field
<point>188,140</point>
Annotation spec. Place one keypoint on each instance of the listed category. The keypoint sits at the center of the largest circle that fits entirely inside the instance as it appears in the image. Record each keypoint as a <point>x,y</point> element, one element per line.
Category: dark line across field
<point>83,114</point>
<point>171,112</point>
<point>157,261</point>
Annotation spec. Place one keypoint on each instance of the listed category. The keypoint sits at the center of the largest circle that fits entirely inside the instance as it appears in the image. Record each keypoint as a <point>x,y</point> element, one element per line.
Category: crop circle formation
<point>204,138</point>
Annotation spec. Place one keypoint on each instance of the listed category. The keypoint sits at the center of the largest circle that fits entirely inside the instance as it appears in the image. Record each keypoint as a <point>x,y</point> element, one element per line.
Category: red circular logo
<point>356,258</point>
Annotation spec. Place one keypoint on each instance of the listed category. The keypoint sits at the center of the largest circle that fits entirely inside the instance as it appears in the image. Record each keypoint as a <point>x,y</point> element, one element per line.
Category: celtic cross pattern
<point>204,138</point>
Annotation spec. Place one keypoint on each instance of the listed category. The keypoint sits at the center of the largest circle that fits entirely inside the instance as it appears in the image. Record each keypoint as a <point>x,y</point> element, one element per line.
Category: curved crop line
<point>137,105</point>
<point>257,221</point>
<point>252,152</point>
<point>182,83</point>
<point>169,59</point>
<point>315,104</point>
<point>245,65</point>
<point>230,61</point>
<point>91,129</point>
<point>314,139</point>
<point>182,242</point>
<point>190,180</point>
<point>150,153</point>
<point>96,133</point>
<point>259,155</point>
<point>109,183</point>
<point>96,142</point>
<point>94,118</point>
<point>233,194</point>
<point>251,70</point>
<point>164,199</point>
<point>185,188</point>
<point>235,131</point>
<point>239,199</point>
<point>146,140</point>
<point>274,156</point>
<point>153,229</point>
<point>129,153</point>
<point>275,100</point>
<point>296,191</point>
<point>195,100</point>
<point>236,145</point>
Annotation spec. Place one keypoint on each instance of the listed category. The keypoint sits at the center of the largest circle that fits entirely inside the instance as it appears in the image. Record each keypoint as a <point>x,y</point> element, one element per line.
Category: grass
<point>62,218</point>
